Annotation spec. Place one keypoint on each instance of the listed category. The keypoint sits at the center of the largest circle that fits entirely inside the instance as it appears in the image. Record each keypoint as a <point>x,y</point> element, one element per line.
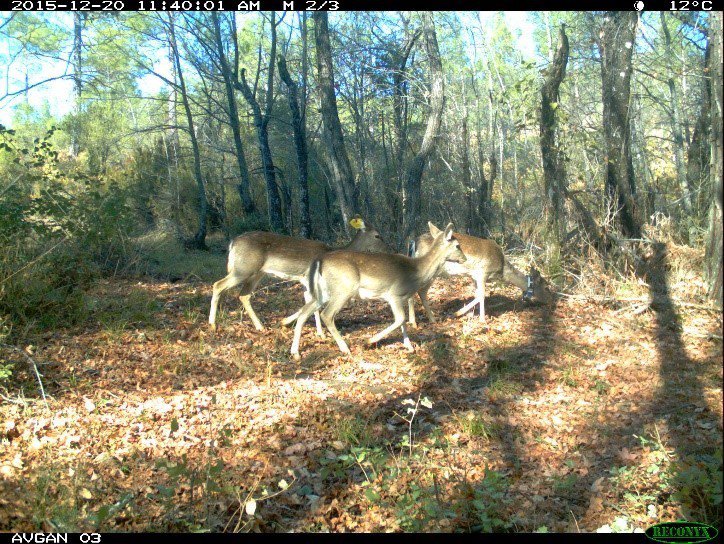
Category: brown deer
<point>336,277</point>
<point>253,255</point>
<point>485,261</point>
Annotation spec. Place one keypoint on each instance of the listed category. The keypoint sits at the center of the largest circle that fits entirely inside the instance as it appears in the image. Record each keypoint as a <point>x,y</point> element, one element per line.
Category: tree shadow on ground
<point>681,394</point>
<point>450,387</point>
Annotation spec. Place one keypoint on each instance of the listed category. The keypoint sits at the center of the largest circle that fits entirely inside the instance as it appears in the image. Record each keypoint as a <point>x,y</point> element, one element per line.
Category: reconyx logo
<point>682,532</point>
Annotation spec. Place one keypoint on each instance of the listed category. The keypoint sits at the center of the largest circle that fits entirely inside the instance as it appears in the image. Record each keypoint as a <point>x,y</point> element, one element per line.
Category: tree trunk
<point>199,241</point>
<point>554,171</point>
<point>332,134</point>
<point>616,46</point>
<point>261,122</point>
<point>698,157</point>
<point>676,126</point>
<point>244,179</point>
<point>300,145</point>
<point>483,207</point>
<point>78,19</point>
<point>416,167</point>
<point>399,117</point>
<point>467,182</point>
<point>713,257</point>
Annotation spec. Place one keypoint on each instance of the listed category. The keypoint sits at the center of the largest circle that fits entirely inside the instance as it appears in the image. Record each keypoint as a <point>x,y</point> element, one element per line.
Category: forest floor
<point>582,417</point>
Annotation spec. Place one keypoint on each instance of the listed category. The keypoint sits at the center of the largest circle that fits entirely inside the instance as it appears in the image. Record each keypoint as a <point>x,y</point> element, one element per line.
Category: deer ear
<point>449,232</point>
<point>433,229</point>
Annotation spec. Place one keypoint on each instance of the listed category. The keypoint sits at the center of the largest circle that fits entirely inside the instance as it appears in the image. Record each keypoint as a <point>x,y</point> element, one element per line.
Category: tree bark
<point>554,171</point>
<point>399,117</point>
<point>616,44</point>
<point>78,19</point>
<point>226,71</point>
<point>676,125</point>
<point>467,181</point>
<point>261,123</point>
<point>415,169</point>
<point>486,194</point>
<point>199,240</point>
<point>713,257</point>
<point>332,135</point>
<point>300,145</point>
<point>699,154</point>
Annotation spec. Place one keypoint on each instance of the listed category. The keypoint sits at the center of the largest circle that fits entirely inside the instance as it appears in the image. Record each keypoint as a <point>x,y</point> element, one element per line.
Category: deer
<point>253,255</point>
<point>485,261</point>
<point>336,277</point>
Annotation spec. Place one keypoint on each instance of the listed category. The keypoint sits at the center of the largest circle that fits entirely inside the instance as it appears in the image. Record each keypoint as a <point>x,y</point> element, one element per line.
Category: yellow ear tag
<point>357,223</point>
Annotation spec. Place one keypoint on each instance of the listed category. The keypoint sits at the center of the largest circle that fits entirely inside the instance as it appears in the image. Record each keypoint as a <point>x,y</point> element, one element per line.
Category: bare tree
<point>554,171</point>
<point>713,258</point>
<point>675,118</point>
<point>616,45</point>
<point>332,135</point>
<point>300,145</point>
<point>416,167</point>
<point>261,122</point>
<point>229,74</point>
<point>199,240</point>
<point>78,21</point>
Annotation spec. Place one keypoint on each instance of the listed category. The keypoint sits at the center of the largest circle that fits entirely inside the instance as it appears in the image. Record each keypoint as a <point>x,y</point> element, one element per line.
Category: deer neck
<point>514,276</point>
<point>430,263</point>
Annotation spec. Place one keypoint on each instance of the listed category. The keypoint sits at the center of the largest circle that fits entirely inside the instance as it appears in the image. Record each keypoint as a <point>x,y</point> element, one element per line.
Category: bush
<point>59,229</point>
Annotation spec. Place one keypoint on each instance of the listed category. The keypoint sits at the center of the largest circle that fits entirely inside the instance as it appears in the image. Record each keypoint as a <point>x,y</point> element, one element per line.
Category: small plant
<point>353,431</point>
<point>412,409</point>
<point>504,387</point>
<point>600,386</point>
<point>474,424</point>
<point>698,483</point>
<point>569,377</point>
<point>488,497</point>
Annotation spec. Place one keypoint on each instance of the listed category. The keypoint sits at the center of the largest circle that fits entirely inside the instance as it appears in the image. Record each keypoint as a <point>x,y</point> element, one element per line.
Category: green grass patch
<point>474,424</point>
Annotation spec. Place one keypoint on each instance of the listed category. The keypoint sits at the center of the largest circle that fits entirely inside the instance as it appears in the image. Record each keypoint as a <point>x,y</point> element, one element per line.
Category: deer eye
<point>378,236</point>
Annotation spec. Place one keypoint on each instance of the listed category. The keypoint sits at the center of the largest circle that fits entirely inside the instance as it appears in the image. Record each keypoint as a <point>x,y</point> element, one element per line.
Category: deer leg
<point>398,310</point>
<point>411,312</point>
<point>405,339</point>
<point>426,305</point>
<point>465,309</point>
<point>289,320</point>
<point>328,315</point>
<point>219,287</point>
<point>245,299</point>
<point>307,310</point>
<point>481,295</point>
<point>317,319</point>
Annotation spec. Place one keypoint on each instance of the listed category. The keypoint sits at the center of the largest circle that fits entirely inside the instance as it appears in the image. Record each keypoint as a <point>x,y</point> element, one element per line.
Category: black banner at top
<point>359,5</point>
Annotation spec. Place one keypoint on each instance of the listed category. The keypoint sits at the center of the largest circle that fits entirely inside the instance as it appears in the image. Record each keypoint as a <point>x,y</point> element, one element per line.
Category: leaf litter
<point>565,420</point>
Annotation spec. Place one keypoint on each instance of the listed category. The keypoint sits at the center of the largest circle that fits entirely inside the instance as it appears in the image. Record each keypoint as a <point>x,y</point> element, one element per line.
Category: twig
<point>575,520</point>
<point>35,368</point>
<point>13,401</point>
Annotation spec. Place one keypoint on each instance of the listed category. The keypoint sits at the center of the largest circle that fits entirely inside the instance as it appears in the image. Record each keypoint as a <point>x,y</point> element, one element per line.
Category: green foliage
<point>474,424</point>
<point>488,498</point>
<point>59,228</point>
<point>698,481</point>
<point>353,431</point>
